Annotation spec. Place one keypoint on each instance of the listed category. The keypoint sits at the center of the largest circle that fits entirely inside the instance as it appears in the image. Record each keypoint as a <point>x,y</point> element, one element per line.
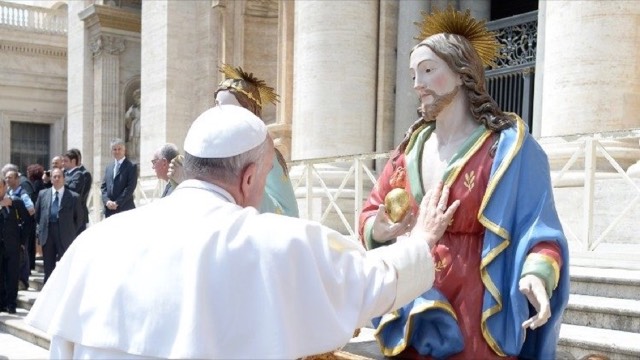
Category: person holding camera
<point>56,163</point>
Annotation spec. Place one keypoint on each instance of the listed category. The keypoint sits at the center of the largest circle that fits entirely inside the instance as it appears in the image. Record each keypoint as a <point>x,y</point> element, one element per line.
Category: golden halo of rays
<point>267,93</point>
<point>452,21</point>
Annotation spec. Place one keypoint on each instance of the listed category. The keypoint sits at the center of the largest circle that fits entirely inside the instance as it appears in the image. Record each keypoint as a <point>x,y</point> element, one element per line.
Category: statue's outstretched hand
<point>533,288</point>
<point>434,217</point>
<point>176,173</point>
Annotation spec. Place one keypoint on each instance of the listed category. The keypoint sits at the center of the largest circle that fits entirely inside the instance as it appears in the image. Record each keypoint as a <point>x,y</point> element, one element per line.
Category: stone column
<point>480,9</point>
<point>107,112</point>
<point>387,68</point>
<point>106,51</point>
<point>80,85</point>
<point>180,47</point>
<point>281,130</point>
<point>407,102</point>
<point>335,71</point>
<point>592,78</point>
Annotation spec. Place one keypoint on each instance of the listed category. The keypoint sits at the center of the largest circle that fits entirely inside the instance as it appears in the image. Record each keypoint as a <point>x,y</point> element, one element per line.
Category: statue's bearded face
<point>434,82</point>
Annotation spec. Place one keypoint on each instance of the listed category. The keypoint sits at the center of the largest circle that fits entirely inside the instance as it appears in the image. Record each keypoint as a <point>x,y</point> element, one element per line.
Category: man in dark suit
<point>78,179</point>
<point>119,183</point>
<point>73,178</point>
<point>59,216</point>
<point>12,240</point>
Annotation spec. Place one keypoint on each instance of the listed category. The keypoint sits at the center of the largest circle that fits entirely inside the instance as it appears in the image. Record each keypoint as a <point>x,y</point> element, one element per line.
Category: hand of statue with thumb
<point>176,173</point>
<point>534,289</point>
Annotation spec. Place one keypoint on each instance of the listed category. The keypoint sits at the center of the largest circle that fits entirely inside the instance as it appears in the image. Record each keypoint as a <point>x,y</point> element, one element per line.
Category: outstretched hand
<point>434,216</point>
<point>533,288</point>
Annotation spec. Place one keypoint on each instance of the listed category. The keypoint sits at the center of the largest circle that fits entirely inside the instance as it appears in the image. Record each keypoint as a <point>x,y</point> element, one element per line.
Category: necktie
<point>167,188</point>
<point>55,206</point>
<point>115,169</point>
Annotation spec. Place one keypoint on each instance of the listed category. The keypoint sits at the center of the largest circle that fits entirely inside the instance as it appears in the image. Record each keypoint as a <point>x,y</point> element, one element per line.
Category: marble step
<point>26,298</point>
<point>580,341</point>
<point>39,266</point>
<point>15,325</point>
<point>609,283</point>
<point>36,281</point>
<point>602,312</point>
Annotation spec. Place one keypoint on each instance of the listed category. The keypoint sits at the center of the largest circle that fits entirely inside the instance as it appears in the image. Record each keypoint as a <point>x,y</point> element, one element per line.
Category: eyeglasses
<point>154,161</point>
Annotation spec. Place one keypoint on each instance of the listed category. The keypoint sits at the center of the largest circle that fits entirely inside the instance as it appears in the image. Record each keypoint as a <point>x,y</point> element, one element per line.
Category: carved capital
<point>107,17</point>
<point>113,45</point>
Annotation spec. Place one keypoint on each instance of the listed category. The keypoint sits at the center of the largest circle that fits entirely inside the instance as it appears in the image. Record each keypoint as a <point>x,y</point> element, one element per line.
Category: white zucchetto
<point>224,131</point>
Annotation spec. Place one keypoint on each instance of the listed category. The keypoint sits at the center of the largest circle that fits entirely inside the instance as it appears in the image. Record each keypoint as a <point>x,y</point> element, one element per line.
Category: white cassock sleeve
<point>331,285</point>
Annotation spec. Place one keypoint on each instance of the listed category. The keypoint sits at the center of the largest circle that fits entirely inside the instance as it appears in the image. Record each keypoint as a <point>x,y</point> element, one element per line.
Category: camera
<point>48,173</point>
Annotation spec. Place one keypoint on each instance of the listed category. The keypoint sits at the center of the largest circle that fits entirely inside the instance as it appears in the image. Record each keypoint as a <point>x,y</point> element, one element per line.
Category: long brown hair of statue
<point>458,53</point>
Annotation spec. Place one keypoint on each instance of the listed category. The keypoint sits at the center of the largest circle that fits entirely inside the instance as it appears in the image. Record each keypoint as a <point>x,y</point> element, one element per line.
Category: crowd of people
<point>45,210</point>
<point>221,267</point>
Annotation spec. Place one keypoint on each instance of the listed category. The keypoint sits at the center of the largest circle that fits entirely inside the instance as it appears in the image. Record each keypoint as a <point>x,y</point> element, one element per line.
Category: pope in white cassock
<point>201,274</point>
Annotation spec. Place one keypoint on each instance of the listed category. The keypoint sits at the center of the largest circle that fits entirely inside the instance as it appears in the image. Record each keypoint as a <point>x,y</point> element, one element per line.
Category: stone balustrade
<point>32,18</point>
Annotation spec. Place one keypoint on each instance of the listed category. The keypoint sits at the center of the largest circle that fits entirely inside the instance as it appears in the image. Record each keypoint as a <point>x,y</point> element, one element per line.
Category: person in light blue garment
<point>243,89</point>
<point>279,197</point>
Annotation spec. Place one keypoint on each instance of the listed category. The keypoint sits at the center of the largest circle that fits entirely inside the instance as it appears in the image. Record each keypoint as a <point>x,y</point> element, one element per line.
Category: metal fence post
<point>309,191</point>
<point>357,201</point>
<point>589,184</point>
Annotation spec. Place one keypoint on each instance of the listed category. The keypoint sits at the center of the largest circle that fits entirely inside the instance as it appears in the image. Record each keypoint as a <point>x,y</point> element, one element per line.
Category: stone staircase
<point>603,317</point>
<point>14,324</point>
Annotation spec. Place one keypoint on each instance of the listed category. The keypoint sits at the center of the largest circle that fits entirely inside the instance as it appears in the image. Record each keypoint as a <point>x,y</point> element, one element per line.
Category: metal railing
<point>347,171</point>
<point>619,194</point>
<point>511,81</point>
<point>33,18</point>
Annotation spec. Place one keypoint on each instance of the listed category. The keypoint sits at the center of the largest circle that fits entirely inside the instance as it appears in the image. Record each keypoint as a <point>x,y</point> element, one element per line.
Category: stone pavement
<point>12,347</point>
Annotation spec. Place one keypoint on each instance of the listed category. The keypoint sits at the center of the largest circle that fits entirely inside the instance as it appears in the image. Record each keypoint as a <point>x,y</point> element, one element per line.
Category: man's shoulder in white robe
<point>193,275</point>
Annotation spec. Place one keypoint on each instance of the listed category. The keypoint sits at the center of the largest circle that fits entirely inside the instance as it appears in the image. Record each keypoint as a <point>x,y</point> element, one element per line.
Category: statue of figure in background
<point>132,124</point>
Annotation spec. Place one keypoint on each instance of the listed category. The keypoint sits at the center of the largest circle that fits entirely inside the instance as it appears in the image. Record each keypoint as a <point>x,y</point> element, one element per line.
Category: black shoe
<point>3,309</point>
<point>11,310</point>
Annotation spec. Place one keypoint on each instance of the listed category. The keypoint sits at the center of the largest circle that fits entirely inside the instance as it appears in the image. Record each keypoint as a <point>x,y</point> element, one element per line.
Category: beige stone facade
<point>33,73</point>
